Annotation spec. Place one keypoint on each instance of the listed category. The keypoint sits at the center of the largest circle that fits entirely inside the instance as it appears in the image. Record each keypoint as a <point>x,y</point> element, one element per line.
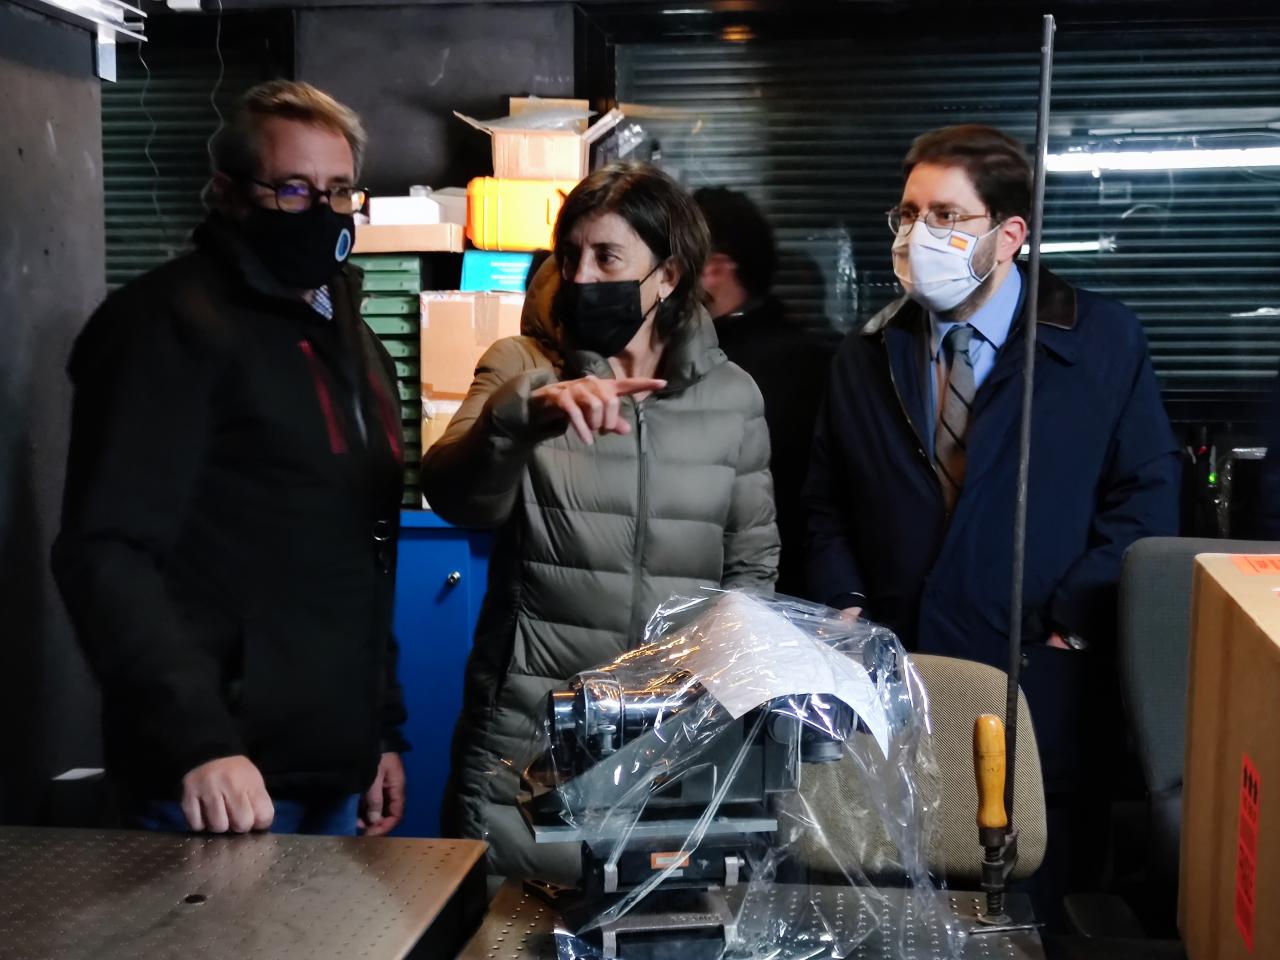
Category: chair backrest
<point>1153,639</point>
<point>958,691</point>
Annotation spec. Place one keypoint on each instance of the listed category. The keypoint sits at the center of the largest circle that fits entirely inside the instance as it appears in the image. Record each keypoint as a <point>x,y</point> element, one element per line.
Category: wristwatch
<point>1074,641</point>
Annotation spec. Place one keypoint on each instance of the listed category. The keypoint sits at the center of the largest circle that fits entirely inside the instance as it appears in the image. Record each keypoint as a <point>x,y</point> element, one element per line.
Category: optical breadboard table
<point>520,925</point>
<point>112,895</point>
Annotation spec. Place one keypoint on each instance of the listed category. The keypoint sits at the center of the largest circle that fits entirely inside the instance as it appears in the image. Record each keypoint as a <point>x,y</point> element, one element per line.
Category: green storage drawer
<point>391,306</point>
<point>412,433</point>
<point>384,263</point>
<point>411,412</point>
<point>392,283</point>
<point>412,454</point>
<point>396,326</point>
<point>401,347</point>
<point>407,370</point>
<point>411,477</point>
<point>409,391</point>
<point>412,497</point>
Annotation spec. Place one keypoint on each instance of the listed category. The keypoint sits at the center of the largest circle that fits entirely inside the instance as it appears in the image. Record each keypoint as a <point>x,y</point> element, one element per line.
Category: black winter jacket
<point>228,532</point>
<point>790,367</point>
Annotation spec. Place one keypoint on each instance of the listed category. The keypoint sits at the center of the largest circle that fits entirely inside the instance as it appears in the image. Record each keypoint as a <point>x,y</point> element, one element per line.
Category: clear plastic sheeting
<point>819,281</point>
<point>758,769</point>
<point>552,116</point>
<point>627,142</point>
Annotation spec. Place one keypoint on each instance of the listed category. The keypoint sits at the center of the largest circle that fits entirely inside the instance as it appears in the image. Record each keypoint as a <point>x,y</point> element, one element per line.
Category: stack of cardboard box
<point>457,328</point>
<point>534,168</point>
<point>508,214</point>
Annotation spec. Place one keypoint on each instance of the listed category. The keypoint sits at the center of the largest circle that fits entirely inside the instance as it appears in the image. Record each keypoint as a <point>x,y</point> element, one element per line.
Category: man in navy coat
<point>911,487</point>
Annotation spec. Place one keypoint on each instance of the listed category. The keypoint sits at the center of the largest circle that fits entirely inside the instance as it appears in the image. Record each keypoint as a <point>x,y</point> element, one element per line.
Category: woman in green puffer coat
<point>620,458</point>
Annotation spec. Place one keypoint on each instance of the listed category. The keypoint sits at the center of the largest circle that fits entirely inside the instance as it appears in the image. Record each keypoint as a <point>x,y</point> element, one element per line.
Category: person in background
<point>620,458</point>
<point>789,366</point>
<point>232,501</point>
<point>912,487</point>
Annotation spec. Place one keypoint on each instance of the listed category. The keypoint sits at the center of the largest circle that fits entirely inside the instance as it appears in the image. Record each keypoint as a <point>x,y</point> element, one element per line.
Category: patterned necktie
<point>954,409</point>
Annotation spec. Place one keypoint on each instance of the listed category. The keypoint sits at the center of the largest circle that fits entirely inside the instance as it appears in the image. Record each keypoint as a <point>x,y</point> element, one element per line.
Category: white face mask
<point>937,272</point>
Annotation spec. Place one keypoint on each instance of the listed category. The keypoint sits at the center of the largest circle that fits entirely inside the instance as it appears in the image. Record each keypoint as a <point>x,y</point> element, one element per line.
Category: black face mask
<point>603,317</point>
<point>302,250</point>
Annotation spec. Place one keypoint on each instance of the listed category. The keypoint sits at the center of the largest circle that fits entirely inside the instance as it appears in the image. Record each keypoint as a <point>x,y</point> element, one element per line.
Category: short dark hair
<point>995,162</point>
<point>233,149</point>
<point>740,231</point>
<point>662,214</point>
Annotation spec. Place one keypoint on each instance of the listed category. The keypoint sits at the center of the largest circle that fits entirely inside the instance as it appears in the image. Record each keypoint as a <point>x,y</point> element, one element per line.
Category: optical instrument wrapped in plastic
<point>706,772</point>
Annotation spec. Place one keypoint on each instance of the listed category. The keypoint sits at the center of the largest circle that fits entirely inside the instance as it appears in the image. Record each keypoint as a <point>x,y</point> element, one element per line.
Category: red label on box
<point>1247,850</point>
<point>661,861</point>
<point>1259,564</point>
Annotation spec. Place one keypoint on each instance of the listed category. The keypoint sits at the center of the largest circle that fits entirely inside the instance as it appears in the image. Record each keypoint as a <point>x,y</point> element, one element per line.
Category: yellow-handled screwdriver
<point>993,820</point>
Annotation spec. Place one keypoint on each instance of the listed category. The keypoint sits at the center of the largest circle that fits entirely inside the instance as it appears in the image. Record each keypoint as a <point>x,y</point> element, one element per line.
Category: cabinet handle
<point>453,579</point>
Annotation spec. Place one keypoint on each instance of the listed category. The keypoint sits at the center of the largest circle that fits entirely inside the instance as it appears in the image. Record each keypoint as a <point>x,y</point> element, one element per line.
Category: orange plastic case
<point>514,214</point>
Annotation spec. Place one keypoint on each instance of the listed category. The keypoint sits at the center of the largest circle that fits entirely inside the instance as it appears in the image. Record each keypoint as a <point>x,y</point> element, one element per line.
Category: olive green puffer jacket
<point>590,539</point>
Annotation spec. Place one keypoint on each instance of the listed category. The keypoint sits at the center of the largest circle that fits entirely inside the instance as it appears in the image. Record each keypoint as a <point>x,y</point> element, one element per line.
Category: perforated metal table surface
<point>112,895</point>
<point>521,926</point>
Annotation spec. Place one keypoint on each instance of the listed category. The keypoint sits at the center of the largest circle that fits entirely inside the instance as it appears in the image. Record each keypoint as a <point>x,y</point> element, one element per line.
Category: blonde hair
<point>233,150</point>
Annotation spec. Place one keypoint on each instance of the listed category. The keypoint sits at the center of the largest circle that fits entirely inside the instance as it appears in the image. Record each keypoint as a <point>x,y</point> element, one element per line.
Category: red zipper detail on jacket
<point>337,442</point>
<point>388,417</point>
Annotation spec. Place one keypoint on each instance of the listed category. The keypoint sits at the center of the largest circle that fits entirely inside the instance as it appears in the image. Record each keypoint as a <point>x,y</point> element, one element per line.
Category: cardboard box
<point>523,151</point>
<point>1229,887</point>
<point>457,328</point>
<point>524,106</point>
<point>424,238</point>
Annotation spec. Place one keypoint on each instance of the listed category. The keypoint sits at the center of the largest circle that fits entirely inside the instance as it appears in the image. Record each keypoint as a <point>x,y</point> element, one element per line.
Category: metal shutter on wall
<point>151,210</point>
<point>815,132</point>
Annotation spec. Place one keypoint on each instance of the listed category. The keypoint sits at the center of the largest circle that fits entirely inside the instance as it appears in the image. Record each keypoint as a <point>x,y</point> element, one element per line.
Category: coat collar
<point>1055,322</point>
<point>347,355</point>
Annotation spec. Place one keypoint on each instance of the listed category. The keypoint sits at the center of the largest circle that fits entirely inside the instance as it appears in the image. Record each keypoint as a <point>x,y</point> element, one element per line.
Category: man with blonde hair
<point>233,490</point>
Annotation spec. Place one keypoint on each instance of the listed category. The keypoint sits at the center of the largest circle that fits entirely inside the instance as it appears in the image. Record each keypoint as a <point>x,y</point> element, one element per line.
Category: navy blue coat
<point>1104,473</point>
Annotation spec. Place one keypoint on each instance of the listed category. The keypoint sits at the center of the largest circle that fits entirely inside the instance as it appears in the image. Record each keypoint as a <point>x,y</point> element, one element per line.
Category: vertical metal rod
<point>1024,440</point>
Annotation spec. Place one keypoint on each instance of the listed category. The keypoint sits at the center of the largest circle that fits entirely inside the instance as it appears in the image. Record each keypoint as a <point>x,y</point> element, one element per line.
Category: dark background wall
<point>51,277</point>
<point>405,70</point>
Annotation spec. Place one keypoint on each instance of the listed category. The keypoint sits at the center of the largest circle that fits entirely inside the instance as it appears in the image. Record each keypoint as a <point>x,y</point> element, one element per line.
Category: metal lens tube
<point>596,717</point>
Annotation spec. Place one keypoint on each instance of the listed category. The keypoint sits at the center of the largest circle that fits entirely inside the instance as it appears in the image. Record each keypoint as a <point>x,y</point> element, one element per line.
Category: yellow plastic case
<point>514,214</point>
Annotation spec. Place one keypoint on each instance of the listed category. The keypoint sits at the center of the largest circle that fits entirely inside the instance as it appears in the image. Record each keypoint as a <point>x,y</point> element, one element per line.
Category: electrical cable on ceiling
<point>213,94</point>
<point>161,219</point>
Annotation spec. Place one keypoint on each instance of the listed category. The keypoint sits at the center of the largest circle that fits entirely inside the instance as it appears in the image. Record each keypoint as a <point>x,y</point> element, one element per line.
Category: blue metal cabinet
<point>440,583</point>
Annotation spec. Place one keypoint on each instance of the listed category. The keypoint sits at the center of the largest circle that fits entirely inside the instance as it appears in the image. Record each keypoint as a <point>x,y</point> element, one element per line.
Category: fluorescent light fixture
<point>111,19</point>
<point>113,14</point>
<point>1104,245</point>
<point>1210,159</point>
<point>1260,313</point>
